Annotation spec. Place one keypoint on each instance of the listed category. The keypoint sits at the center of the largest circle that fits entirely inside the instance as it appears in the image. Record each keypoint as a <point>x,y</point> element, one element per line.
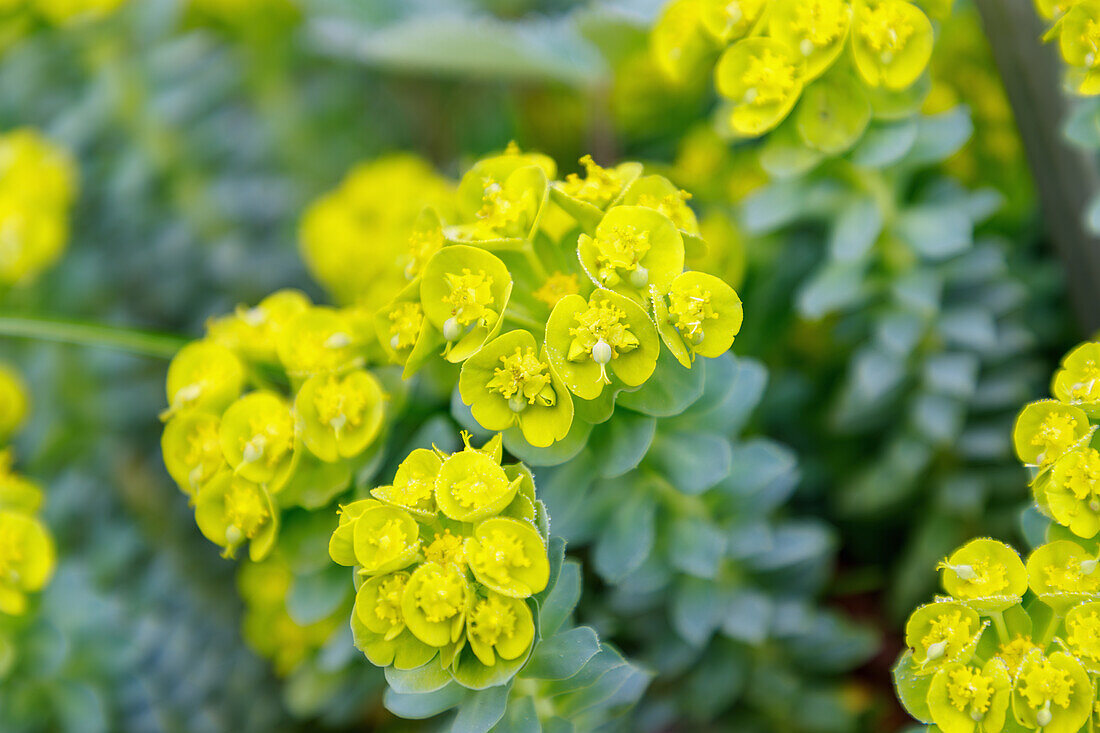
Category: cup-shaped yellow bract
<point>435,603</point>
<point>404,332</point>
<point>762,78</point>
<point>964,699</point>
<point>891,42</point>
<point>258,438</point>
<point>318,340</point>
<point>385,539</point>
<point>660,194</point>
<point>1062,574</point>
<point>27,559</point>
<point>341,546</point>
<point>471,486</point>
<point>985,574</point>
<point>230,510</point>
<point>817,28</point>
<point>728,20</point>
<point>941,633</point>
<point>701,315</point>
<point>1073,491</point>
<point>378,604</point>
<point>508,556</point>
<point>413,484</point>
<point>203,375</point>
<point>1052,693</point>
<point>340,414</point>
<point>833,113</point>
<point>192,449</point>
<point>1079,40</point>
<point>498,626</point>
<point>254,332</point>
<point>508,211</point>
<point>598,189</point>
<point>608,331</point>
<point>1083,634</point>
<point>1078,379</point>
<point>493,171</point>
<point>14,401</point>
<point>1046,430</point>
<point>508,382</point>
<point>464,291</point>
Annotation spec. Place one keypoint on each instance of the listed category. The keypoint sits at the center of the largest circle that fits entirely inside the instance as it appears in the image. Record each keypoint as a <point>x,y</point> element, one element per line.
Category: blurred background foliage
<point>900,299</point>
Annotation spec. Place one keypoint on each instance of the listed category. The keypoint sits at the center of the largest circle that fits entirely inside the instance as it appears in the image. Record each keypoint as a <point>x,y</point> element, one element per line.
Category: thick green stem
<point>134,341</point>
<point>999,624</point>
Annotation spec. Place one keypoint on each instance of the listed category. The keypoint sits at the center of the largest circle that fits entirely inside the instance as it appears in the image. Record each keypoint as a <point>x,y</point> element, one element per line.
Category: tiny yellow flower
<point>941,633</point>
<point>556,287</point>
<point>258,438</point>
<point>1015,651</point>
<point>1062,573</point>
<point>464,292</point>
<point>987,572</point>
<point>600,186</point>
<point>254,332</point>
<point>341,546</point>
<point>501,198</point>
<point>203,375</point>
<point>446,548</point>
<point>378,604</point>
<point>413,484</point>
<point>192,449</point>
<point>701,315</point>
<point>435,602</point>
<point>318,340</point>
<point>817,28</point>
<point>1052,693</point>
<point>1073,491</point>
<point>585,339</point>
<point>385,539</point>
<point>660,194</point>
<point>499,627</point>
<point>471,486</point>
<point>1046,430</point>
<point>231,510</point>
<point>964,699</point>
<point>340,414</point>
<point>891,42</point>
<point>1083,634</point>
<point>27,559</point>
<point>508,556</point>
<point>1078,379</point>
<point>14,401</point>
<point>762,78</point>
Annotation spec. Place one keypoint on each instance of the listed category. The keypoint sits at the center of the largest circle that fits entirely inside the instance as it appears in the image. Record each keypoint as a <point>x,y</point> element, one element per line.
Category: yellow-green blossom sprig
<point>1072,491</point>
<point>464,292</point>
<point>510,382</point>
<point>818,29</point>
<point>585,199</point>
<point>1062,574</point>
<point>340,414</point>
<point>192,449</point>
<point>14,401</point>
<point>259,439</point>
<point>1083,634</point>
<point>891,42</point>
<point>985,574</point>
<point>965,699</point>
<point>608,332</point>
<point>501,199</point>
<point>1053,693</point>
<point>385,539</point>
<point>413,484</point>
<point>471,485</point>
<point>941,633</point>
<point>700,315</point>
<point>1078,378</point>
<point>231,510</point>
<point>636,251</point>
<point>435,603</point>
<point>762,78</point>
<point>508,556</point>
<point>319,340</point>
<point>499,626</point>
<point>1046,430</point>
<point>27,559</point>
<point>203,375</point>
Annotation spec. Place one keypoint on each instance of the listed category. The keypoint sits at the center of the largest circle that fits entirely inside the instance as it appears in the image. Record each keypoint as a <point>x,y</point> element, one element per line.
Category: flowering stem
<point>536,264</point>
<point>134,341</point>
<point>999,623</point>
<point>1048,634</point>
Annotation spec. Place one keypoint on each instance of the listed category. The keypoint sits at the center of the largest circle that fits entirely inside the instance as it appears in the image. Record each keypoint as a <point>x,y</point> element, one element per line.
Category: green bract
<point>1052,693</point>
<point>231,510</point>
<point>985,574</point>
<point>942,633</point>
<point>965,699</point>
<point>509,382</point>
<point>508,556</point>
<point>414,484</point>
<point>471,486</point>
<point>192,449</point>
<point>701,314</point>
<point>385,539</point>
<point>259,438</point>
<point>205,376</point>
<point>1046,430</point>
<point>339,414</point>
<point>636,251</point>
<point>464,291</point>
<point>762,78</point>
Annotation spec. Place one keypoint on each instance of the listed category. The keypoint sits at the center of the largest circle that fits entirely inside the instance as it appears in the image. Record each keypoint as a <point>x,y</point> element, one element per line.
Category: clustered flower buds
<point>37,188</point>
<point>271,394</point>
<point>27,554</point>
<point>1075,24</point>
<point>1017,644</point>
<point>841,58</point>
<point>447,559</point>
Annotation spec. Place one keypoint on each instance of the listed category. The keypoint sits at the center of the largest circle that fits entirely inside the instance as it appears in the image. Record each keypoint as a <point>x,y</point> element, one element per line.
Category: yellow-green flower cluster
<point>591,269</point>
<point>840,58</point>
<point>446,560</point>
<point>1075,24</point>
<point>274,397</point>
<point>37,187</point>
<point>27,554</point>
<point>1011,645</point>
<point>1057,440</point>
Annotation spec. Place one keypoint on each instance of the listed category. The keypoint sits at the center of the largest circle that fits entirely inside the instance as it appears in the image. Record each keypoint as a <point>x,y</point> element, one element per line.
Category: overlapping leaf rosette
<point>37,188</point>
<point>462,595</point>
<point>831,68</point>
